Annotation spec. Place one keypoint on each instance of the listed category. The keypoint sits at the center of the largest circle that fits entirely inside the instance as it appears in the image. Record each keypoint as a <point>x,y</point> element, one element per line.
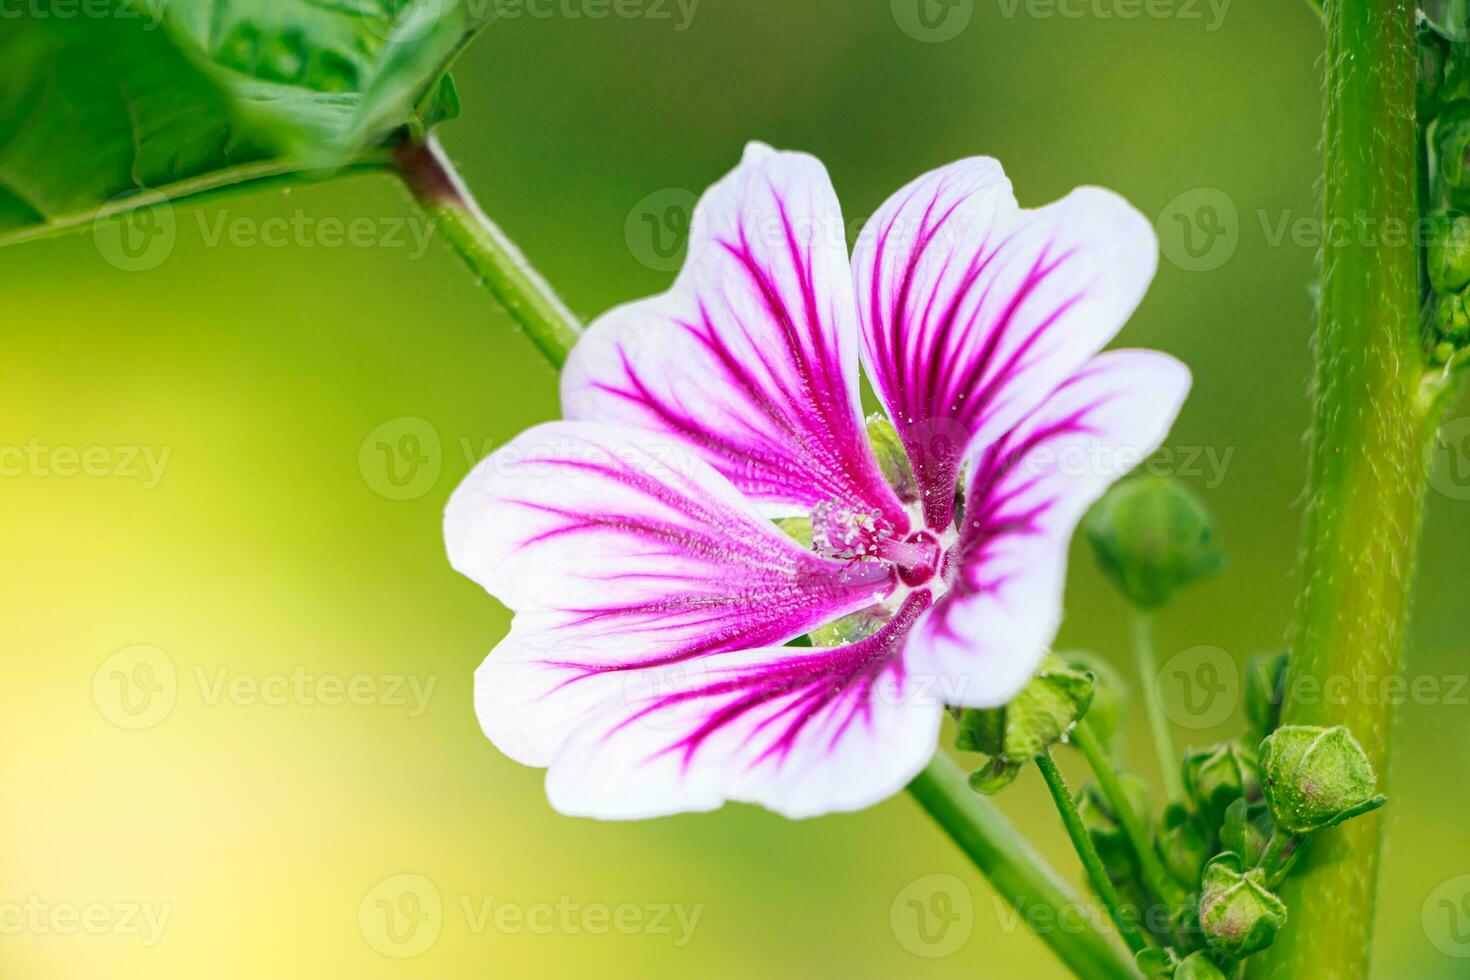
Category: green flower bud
<point>1452,316</point>
<point>1448,250</point>
<point>1219,776</point>
<point>1109,695</point>
<point>1238,914</point>
<point>1151,536</point>
<point>1316,777</point>
<point>1265,682</point>
<point>893,461</point>
<point>1183,844</point>
<point>1246,829</point>
<point>1037,718</point>
<point>1451,139</point>
<point>1198,966</point>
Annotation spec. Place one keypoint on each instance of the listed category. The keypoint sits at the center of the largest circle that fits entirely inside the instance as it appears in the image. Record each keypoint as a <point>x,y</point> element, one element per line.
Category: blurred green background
<point>267,359</point>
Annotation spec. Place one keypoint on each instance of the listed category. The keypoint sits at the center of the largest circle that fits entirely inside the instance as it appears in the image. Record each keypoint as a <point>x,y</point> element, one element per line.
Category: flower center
<point>916,556</point>
<point>842,531</point>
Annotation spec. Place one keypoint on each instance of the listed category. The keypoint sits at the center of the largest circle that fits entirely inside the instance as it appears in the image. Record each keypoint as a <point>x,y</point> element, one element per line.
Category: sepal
<point>1036,719</point>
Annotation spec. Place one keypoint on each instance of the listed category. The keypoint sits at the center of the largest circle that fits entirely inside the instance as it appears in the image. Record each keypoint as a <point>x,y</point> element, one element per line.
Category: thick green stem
<point>1153,699</point>
<point>1367,463</point>
<point>486,250</point>
<point>1156,878</point>
<point>1087,850</point>
<point>1016,871</point>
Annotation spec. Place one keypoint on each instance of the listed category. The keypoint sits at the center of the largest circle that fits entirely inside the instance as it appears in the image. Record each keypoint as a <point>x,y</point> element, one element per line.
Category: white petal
<point>751,358</point>
<point>973,310</point>
<point>799,731</point>
<point>621,552</point>
<point>1027,493</point>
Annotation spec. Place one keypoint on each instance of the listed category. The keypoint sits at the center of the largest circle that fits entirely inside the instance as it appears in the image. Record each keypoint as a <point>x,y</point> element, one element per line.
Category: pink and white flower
<point>647,666</point>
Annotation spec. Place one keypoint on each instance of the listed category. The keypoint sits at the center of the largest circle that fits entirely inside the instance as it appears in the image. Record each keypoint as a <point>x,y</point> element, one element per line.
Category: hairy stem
<point>433,182</point>
<point>1367,462</point>
<point>1016,871</point>
<point>1087,851</point>
<point>1153,699</point>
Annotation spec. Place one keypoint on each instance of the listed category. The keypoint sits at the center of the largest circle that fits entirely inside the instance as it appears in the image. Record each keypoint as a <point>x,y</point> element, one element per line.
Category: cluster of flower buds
<point>1253,811</point>
<point>1443,103</point>
<point>1244,809</point>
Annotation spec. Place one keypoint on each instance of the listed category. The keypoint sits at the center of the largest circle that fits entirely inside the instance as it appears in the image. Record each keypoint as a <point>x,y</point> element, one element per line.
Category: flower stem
<point>1155,877</point>
<point>1016,871</point>
<point>1087,851</point>
<point>1153,698</point>
<point>1274,859</point>
<point>1366,462</point>
<point>435,185</point>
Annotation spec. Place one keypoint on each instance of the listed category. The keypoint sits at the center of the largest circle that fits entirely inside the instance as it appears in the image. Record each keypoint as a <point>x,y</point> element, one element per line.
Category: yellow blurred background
<point>238,667</point>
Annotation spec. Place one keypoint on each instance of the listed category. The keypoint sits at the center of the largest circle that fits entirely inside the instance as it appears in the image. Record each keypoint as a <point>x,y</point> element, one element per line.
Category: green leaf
<point>323,78</point>
<point>99,113</point>
<point>95,109</point>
